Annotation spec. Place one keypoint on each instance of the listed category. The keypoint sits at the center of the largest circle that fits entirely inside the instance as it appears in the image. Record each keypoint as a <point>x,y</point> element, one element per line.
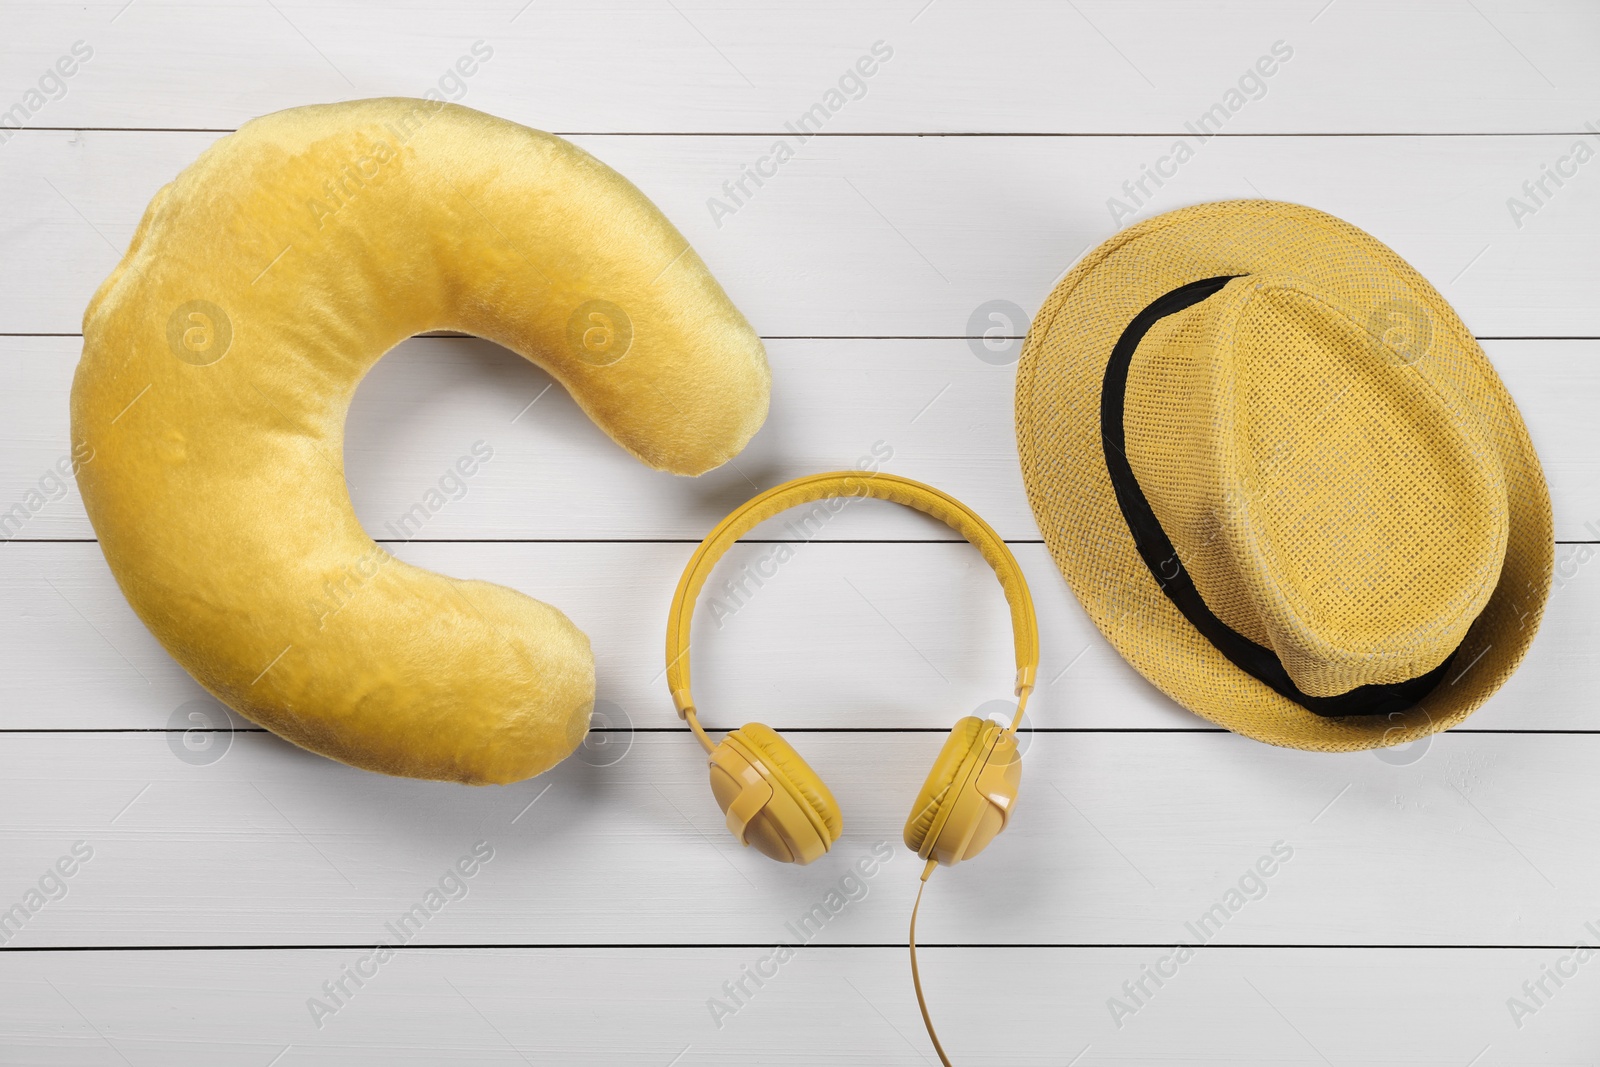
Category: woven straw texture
<point>1337,465</point>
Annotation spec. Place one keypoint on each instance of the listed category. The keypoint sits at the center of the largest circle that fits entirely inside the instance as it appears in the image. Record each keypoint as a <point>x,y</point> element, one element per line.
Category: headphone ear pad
<point>964,737</point>
<point>781,757</point>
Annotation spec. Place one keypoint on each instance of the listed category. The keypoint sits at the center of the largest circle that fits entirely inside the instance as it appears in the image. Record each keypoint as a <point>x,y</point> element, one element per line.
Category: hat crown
<point>1331,497</point>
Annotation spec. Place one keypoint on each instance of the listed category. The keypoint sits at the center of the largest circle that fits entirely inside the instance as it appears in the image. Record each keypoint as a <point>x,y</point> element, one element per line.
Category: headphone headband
<point>811,488</point>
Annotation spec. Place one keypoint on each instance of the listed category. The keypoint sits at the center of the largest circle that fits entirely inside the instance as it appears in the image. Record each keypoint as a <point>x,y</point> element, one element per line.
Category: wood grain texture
<point>931,407</point>
<point>643,1007</point>
<point>908,236</point>
<point>1426,885</point>
<point>1118,839</point>
<point>1099,66</point>
<point>909,635</point>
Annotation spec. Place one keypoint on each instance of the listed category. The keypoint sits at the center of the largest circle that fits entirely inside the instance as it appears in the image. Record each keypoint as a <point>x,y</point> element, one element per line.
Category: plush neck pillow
<point>219,361</point>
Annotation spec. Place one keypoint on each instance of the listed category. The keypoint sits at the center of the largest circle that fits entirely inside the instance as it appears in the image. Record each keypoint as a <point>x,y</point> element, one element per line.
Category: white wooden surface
<point>229,880</point>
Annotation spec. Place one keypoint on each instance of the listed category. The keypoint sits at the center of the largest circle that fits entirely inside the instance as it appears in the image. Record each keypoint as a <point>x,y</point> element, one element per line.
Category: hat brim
<point>1063,465</point>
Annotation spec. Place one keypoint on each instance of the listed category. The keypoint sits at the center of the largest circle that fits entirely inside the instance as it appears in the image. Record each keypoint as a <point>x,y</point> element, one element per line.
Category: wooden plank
<point>632,65</point>
<point>911,636</point>
<point>643,1007</point>
<point>906,236</point>
<point>1429,884</point>
<point>930,409</point>
<point>1118,839</point>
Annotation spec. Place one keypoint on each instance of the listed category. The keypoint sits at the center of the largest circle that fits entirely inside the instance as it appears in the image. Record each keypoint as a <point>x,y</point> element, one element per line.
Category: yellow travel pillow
<point>219,361</point>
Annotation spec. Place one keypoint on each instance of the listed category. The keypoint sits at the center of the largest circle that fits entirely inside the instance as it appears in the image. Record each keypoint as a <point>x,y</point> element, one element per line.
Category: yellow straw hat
<point>1283,478</point>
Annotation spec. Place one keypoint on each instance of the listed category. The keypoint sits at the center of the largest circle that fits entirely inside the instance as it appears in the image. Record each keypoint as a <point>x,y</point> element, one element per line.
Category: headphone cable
<point>916,978</point>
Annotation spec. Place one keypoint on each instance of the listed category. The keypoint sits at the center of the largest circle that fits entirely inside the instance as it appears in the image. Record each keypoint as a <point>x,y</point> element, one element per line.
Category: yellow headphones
<point>772,798</point>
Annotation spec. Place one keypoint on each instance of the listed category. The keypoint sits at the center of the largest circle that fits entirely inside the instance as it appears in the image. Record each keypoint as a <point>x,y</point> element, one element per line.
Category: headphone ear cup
<point>968,795</point>
<point>774,801</point>
<point>797,773</point>
<point>936,787</point>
